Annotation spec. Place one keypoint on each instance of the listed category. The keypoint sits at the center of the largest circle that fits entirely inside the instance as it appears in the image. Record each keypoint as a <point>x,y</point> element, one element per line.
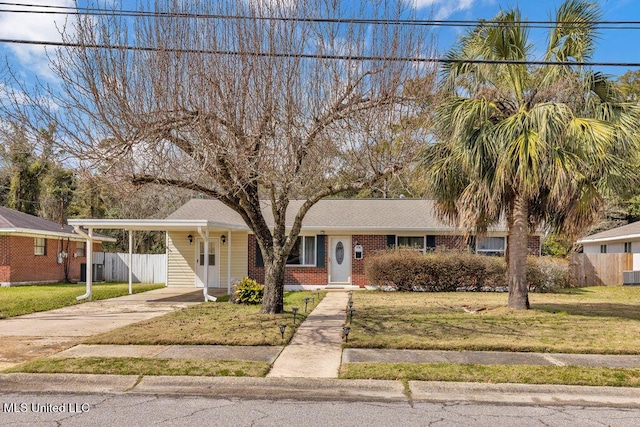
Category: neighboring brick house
<point>35,250</point>
<point>337,236</point>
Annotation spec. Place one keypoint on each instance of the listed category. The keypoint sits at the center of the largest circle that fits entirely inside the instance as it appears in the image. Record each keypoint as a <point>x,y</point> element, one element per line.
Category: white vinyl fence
<point>146,268</point>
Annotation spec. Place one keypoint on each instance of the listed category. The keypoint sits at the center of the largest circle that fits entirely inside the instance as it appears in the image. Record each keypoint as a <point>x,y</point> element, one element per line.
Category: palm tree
<point>533,145</point>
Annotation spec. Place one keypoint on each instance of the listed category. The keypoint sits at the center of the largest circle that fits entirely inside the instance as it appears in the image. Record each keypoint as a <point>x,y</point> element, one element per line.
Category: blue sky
<point>614,45</point>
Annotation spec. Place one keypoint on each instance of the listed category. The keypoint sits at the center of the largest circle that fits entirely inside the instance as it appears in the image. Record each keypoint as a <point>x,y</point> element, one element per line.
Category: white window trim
<point>422,249</point>
<point>36,246</point>
<point>303,251</point>
<point>484,251</point>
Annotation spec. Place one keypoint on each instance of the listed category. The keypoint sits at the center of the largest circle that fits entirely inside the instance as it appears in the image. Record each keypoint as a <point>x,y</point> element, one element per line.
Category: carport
<point>202,228</point>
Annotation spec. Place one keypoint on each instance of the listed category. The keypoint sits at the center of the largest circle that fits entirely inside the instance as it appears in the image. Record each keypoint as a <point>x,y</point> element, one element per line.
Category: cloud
<point>34,27</point>
<point>444,8</point>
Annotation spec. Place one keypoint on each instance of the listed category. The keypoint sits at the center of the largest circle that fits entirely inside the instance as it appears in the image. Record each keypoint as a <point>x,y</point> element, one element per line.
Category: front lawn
<point>219,323</point>
<point>145,366</point>
<point>602,320</point>
<point>520,374</point>
<point>19,300</point>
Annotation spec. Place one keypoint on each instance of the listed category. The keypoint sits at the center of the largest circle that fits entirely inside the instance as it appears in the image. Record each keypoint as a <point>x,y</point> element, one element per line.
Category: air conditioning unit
<point>631,277</point>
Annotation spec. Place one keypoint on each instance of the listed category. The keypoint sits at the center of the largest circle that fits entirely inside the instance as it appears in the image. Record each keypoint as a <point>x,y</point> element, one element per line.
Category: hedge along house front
<point>336,237</point>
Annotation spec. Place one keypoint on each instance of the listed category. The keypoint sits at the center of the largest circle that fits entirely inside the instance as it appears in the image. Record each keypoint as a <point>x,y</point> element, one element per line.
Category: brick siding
<point>370,245</point>
<point>19,264</point>
<point>310,276</point>
<point>318,276</point>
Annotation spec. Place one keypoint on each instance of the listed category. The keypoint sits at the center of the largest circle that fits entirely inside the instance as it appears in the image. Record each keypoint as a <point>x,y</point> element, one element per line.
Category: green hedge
<point>450,271</point>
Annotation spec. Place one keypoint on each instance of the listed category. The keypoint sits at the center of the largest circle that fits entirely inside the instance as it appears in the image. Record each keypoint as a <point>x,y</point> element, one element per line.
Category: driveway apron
<point>41,334</point>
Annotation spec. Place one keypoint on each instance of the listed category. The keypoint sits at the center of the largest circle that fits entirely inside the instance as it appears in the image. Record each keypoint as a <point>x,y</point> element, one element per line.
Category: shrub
<point>440,271</point>
<point>547,274</point>
<point>248,291</point>
<point>449,271</point>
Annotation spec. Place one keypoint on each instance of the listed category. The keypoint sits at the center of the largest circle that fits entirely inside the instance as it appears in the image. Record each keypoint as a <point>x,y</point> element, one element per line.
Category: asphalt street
<point>20,409</point>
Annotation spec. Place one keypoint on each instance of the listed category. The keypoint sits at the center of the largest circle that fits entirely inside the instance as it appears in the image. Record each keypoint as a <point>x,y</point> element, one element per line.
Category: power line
<point>67,10</point>
<point>322,56</point>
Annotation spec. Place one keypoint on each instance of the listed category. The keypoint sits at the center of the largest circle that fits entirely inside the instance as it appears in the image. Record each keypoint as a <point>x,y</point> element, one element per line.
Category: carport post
<point>206,264</point>
<point>89,269</point>
<point>130,261</point>
<point>229,262</point>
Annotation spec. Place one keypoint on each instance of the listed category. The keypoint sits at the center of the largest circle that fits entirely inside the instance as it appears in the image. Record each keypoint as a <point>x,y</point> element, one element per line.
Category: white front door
<point>339,260</point>
<point>213,274</point>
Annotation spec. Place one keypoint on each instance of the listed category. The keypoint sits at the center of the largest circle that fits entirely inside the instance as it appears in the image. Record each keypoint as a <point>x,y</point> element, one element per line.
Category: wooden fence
<point>599,269</point>
<point>146,268</point>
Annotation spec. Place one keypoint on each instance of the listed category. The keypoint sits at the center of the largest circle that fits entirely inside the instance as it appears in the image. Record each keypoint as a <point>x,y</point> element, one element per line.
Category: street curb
<point>275,388</point>
<point>322,389</point>
<point>528,394</point>
<point>66,383</point>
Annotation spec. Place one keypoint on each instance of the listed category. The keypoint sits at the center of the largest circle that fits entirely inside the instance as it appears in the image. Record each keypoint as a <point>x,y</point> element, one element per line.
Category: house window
<point>490,245</point>
<point>303,252</point>
<point>40,246</point>
<point>627,247</point>
<point>414,242</point>
<point>603,249</point>
<point>81,249</point>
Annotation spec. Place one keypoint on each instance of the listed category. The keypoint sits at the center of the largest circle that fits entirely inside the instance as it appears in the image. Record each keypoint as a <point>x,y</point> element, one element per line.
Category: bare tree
<point>244,100</point>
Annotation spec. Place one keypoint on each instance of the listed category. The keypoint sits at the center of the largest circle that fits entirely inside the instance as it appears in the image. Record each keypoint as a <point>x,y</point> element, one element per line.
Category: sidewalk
<point>315,351</point>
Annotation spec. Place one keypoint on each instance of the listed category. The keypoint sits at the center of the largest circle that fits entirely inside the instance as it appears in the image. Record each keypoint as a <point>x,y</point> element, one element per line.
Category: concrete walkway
<point>42,334</point>
<point>315,351</point>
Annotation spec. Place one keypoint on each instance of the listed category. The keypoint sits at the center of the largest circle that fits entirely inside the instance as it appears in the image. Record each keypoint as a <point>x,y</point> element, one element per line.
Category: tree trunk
<point>517,255</point>
<point>273,298</point>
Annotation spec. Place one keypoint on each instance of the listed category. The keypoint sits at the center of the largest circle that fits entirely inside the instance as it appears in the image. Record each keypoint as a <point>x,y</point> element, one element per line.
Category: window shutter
<point>391,240</point>
<point>320,249</point>
<point>259,260</point>
<point>431,241</point>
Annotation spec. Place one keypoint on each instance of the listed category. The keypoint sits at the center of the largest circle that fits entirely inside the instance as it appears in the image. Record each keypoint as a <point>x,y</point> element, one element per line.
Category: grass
<point>19,300</point>
<point>570,375</point>
<point>214,323</point>
<point>602,320</point>
<point>144,366</point>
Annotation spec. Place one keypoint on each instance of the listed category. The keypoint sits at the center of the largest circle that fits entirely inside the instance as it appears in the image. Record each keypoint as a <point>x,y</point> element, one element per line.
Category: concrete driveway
<point>41,334</point>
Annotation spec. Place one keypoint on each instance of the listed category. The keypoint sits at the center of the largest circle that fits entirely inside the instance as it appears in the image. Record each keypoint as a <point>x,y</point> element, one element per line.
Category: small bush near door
<point>450,271</point>
<point>248,291</point>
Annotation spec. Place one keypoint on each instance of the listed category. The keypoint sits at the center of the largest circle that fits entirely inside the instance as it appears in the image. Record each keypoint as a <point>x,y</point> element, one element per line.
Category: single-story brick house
<point>35,250</point>
<point>337,236</point>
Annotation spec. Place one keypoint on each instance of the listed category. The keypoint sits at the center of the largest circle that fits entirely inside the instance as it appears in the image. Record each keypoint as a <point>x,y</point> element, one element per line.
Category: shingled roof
<point>629,231</point>
<point>16,222</point>
<point>347,214</point>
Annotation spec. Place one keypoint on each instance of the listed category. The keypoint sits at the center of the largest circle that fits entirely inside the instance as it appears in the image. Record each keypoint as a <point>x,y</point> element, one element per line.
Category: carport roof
<point>153,224</point>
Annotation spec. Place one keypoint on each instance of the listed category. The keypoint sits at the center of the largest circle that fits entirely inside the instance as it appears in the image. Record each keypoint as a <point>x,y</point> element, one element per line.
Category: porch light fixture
<point>282,328</point>
<point>223,238</point>
<point>190,237</point>
<point>295,313</point>
<point>345,332</point>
